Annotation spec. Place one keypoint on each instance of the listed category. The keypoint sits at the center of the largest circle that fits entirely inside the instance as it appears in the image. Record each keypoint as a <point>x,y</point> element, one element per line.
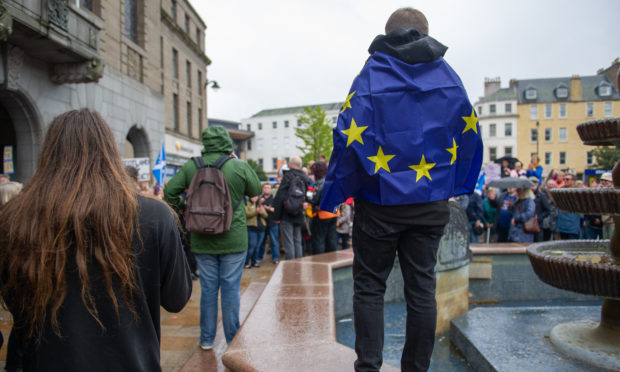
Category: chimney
<point>514,83</point>
<point>611,72</point>
<point>491,85</point>
<point>575,88</point>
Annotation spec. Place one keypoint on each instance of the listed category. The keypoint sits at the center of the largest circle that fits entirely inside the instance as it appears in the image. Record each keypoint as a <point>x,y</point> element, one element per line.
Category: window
<point>562,158</point>
<point>198,36</point>
<point>260,162</point>
<point>479,110</point>
<point>249,146</point>
<point>131,20</point>
<point>548,158</point>
<point>561,92</point>
<point>492,108</point>
<point>175,112</point>
<point>589,158</point>
<point>604,90</point>
<point>548,111</point>
<point>274,143</point>
<point>492,153</point>
<point>334,119</point>
<point>285,123</point>
<point>300,142</point>
<point>259,144</point>
<point>562,110</point>
<point>299,123</point>
<point>492,130</point>
<point>533,112</point>
<point>175,64</point>
<point>274,163</point>
<point>508,129</point>
<point>562,134</point>
<point>188,73</point>
<point>286,143</point>
<point>199,122</point>
<point>533,135</point>
<point>275,124</point>
<point>199,80</point>
<point>189,119</point>
<point>608,109</point>
<point>88,4</point>
<point>173,10</point>
<point>548,134</point>
<point>589,109</point>
<point>530,93</point>
<point>249,127</point>
<point>187,24</point>
<point>508,151</point>
<point>260,126</point>
<point>508,108</point>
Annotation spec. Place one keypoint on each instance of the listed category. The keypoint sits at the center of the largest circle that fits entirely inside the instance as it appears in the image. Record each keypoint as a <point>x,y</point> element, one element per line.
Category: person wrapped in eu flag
<point>407,139</point>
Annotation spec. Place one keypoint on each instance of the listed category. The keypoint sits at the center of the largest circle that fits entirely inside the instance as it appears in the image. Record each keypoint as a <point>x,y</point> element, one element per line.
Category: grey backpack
<point>208,206</point>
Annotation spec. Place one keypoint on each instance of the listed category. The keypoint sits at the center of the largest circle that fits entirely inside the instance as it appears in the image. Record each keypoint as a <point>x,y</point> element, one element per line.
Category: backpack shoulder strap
<point>219,163</point>
<point>198,161</point>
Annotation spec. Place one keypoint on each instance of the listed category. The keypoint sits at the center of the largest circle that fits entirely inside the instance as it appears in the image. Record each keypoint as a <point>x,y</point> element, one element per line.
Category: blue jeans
<point>254,239</point>
<point>219,272</point>
<point>273,233</point>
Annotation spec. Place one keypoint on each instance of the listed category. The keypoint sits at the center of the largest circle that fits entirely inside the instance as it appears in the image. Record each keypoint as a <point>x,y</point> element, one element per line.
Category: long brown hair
<point>80,202</point>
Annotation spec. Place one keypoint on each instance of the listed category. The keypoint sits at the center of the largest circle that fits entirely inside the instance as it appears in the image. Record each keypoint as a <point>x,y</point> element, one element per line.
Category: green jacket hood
<point>216,139</point>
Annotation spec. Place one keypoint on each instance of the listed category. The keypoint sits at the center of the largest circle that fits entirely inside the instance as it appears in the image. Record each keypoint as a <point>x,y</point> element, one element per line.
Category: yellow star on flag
<point>347,102</point>
<point>452,150</point>
<point>422,169</point>
<point>354,133</point>
<point>471,121</point>
<point>381,160</point>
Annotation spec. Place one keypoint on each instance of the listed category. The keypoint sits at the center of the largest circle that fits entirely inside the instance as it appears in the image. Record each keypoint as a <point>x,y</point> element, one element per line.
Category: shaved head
<point>295,163</point>
<point>407,18</point>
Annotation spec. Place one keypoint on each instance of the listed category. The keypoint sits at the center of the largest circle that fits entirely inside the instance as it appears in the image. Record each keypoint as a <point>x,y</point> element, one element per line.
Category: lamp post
<point>537,139</point>
<point>214,85</point>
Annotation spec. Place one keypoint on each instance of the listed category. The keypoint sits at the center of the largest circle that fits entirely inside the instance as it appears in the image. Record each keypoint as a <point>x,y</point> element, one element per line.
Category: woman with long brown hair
<point>85,262</point>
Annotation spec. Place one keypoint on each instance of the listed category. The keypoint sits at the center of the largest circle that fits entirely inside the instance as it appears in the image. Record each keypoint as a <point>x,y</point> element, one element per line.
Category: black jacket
<point>280,214</point>
<point>410,46</point>
<point>162,278</point>
<point>543,205</point>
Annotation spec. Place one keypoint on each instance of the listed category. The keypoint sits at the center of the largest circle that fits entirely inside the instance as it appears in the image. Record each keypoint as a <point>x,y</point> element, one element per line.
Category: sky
<point>280,53</point>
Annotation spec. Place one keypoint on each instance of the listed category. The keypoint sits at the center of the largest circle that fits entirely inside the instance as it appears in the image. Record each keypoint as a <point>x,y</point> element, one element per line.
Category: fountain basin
<point>577,265</point>
<point>604,132</point>
<point>604,200</point>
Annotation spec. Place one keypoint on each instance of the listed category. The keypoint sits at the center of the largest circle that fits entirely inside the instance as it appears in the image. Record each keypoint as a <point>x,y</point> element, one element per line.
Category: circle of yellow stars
<point>381,160</point>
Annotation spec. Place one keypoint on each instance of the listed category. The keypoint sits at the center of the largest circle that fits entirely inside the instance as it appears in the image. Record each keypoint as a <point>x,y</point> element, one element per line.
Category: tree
<point>316,134</point>
<point>257,169</point>
<point>606,157</point>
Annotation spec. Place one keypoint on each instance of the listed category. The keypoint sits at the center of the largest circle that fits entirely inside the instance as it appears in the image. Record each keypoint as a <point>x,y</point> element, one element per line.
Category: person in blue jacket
<point>535,169</point>
<point>522,210</point>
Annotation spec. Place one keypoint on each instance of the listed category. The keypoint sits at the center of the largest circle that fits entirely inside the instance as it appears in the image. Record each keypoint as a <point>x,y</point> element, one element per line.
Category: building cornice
<point>165,17</point>
<point>484,117</point>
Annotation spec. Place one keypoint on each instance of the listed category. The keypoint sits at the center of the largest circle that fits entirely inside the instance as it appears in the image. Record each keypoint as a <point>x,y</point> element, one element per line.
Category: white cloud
<point>283,53</point>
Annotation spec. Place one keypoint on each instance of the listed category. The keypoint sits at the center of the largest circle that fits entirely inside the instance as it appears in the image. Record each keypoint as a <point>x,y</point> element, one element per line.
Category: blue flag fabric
<point>159,170</point>
<point>406,134</point>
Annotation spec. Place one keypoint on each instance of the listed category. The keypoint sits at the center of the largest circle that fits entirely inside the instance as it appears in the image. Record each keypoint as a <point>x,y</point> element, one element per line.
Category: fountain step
<point>517,338</point>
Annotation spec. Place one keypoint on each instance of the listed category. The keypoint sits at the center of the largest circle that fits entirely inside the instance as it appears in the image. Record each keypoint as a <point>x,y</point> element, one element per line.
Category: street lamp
<point>537,139</point>
<point>214,85</point>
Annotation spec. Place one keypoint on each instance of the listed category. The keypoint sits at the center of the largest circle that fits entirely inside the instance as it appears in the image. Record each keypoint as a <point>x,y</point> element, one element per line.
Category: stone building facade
<point>110,56</point>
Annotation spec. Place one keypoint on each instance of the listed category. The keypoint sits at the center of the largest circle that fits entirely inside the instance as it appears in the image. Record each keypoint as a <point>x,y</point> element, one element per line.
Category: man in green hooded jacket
<point>220,257</point>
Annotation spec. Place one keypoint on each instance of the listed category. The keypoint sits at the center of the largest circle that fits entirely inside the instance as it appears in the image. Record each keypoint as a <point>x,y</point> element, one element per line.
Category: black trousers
<point>375,244</point>
<point>324,237</point>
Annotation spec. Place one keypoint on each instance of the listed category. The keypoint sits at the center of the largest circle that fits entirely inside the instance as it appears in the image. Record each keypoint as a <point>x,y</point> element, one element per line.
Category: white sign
<point>491,172</point>
<point>142,165</point>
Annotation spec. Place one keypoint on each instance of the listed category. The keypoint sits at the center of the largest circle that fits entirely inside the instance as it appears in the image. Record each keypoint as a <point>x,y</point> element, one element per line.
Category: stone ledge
<point>499,248</point>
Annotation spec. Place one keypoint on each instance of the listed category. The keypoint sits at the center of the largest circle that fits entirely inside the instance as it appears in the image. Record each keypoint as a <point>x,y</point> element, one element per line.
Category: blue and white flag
<point>159,170</point>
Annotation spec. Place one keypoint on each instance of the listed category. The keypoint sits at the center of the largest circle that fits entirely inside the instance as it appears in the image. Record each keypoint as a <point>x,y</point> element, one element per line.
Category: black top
<point>280,214</point>
<point>410,46</point>
<point>163,278</point>
<point>269,202</point>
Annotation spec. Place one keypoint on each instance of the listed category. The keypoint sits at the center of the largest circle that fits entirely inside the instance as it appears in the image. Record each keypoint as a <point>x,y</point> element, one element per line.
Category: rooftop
<point>297,109</point>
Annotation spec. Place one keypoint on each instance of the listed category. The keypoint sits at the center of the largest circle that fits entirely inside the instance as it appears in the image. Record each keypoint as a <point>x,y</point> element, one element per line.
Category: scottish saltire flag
<point>406,134</point>
<point>159,170</point>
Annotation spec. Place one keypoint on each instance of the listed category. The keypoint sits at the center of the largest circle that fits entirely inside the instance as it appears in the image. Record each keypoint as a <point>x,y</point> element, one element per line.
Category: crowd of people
<point>500,215</point>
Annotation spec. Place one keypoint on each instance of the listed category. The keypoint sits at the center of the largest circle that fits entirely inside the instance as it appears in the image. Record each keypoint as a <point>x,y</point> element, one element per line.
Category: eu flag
<point>406,134</point>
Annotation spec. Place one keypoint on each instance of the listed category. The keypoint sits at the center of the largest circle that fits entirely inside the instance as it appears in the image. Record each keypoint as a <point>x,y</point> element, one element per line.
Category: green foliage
<point>606,157</point>
<point>316,133</point>
<point>257,169</point>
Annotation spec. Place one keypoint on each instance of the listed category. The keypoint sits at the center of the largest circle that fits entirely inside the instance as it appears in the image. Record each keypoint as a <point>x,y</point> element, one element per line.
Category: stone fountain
<point>589,267</point>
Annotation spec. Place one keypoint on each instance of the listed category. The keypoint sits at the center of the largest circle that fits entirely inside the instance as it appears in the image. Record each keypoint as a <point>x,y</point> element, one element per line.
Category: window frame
<point>565,131</point>
<point>533,112</point>
<point>534,135</point>
<point>548,111</point>
<point>507,129</point>
<point>549,132</point>
<point>563,111</point>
